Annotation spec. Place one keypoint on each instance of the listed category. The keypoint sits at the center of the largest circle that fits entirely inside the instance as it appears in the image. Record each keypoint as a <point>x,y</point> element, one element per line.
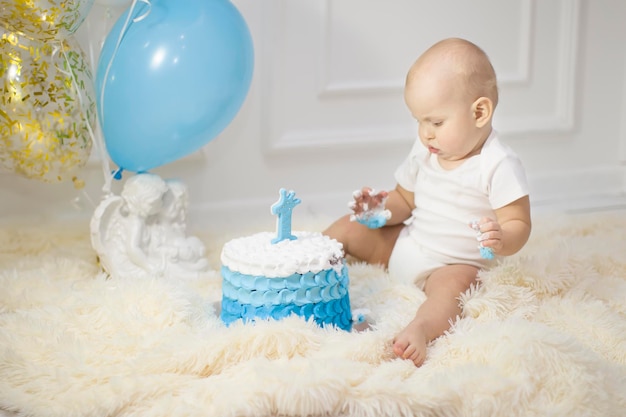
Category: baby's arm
<point>510,231</point>
<point>400,203</point>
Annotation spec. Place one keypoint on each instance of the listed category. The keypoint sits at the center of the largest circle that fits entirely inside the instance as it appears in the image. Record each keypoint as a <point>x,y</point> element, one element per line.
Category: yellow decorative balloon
<point>47,107</point>
<point>44,19</point>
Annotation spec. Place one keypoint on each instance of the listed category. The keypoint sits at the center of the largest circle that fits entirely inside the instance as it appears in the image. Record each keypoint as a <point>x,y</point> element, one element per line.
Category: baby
<point>458,180</point>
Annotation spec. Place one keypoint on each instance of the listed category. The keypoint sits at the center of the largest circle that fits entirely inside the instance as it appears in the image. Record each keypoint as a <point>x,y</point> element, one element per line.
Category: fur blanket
<point>543,334</point>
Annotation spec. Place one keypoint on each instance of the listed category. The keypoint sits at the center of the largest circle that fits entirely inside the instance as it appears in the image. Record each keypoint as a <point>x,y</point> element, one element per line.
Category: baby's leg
<point>432,319</point>
<point>373,246</point>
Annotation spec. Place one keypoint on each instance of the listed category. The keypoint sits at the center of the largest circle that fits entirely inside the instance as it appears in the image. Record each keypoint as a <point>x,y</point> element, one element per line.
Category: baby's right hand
<point>367,199</point>
<point>369,208</point>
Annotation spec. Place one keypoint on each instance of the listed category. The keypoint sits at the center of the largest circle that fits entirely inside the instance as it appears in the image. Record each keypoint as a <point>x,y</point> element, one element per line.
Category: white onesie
<point>446,201</point>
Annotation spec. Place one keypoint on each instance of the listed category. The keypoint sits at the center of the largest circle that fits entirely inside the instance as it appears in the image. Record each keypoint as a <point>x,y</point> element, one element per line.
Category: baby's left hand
<point>490,233</point>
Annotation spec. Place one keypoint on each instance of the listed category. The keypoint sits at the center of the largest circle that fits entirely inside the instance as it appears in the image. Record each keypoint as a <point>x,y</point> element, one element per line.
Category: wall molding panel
<point>329,88</point>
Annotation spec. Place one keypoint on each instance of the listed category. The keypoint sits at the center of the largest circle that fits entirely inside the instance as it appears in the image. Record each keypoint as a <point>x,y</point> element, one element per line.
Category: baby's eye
<point>438,123</point>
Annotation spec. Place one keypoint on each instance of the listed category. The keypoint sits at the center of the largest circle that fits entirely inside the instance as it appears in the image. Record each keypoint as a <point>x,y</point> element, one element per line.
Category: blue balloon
<point>177,78</point>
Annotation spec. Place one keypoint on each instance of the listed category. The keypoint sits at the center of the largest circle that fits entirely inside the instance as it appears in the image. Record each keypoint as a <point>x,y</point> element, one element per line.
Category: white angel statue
<point>142,232</point>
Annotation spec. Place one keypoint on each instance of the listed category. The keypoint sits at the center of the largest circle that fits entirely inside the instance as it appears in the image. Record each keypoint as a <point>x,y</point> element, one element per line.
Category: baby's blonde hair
<point>465,59</point>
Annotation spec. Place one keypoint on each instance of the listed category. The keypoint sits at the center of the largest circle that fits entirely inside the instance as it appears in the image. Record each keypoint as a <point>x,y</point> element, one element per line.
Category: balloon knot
<point>118,174</point>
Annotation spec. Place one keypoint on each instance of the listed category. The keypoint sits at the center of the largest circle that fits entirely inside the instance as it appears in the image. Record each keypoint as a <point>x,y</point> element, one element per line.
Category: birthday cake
<point>264,277</point>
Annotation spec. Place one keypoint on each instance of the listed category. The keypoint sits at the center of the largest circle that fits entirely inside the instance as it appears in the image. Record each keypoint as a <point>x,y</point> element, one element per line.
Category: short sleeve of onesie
<point>406,173</point>
<point>503,174</point>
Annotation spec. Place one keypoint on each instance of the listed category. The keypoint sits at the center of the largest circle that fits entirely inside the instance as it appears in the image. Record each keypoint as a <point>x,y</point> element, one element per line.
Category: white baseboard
<point>566,191</point>
<point>587,190</point>
<point>318,211</point>
<point>592,189</point>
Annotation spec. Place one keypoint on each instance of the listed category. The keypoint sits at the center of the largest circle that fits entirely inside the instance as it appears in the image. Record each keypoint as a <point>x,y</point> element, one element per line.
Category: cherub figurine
<point>141,233</point>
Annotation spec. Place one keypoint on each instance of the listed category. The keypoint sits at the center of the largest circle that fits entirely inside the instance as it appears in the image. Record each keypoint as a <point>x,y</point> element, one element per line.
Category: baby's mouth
<point>433,150</point>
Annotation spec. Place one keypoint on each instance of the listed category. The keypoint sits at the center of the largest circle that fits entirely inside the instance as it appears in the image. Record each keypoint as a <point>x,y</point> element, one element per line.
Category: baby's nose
<point>426,132</point>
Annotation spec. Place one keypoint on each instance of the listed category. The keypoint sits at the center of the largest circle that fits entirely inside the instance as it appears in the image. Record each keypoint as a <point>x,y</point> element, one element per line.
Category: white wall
<point>325,113</point>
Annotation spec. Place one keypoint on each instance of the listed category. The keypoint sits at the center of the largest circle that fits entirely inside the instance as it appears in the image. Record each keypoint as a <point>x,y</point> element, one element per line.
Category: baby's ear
<point>482,109</point>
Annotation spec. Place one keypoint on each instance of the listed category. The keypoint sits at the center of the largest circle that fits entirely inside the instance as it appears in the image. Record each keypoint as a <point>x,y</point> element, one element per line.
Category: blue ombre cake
<point>304,275</point>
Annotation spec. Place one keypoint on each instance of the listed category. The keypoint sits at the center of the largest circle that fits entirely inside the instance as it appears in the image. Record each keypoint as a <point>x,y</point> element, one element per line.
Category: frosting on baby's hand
<point>372,218</point>
<point>485,252</point>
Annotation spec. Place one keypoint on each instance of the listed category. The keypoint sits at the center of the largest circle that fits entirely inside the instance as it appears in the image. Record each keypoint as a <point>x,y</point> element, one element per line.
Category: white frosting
<point>256,255</point>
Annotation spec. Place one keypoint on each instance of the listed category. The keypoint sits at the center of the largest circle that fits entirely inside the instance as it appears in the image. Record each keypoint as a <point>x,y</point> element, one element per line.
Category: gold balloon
<point>44,19</point>
<point>47,107</point>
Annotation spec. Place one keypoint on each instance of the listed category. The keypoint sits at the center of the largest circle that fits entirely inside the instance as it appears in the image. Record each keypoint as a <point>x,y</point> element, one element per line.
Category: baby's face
<point>447,126</point>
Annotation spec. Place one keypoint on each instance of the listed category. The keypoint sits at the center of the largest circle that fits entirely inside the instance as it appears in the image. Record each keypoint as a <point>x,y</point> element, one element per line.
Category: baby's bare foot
<point>411,343</point>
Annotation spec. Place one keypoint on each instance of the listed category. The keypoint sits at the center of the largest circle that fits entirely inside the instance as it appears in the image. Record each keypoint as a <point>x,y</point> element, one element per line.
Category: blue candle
<point>283,208</point>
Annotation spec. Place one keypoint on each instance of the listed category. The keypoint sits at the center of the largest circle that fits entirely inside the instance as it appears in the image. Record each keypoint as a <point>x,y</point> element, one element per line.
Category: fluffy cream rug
<point>544,334</point>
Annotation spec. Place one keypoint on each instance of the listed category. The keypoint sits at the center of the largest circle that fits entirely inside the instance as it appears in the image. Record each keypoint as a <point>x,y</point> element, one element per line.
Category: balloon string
<point>125,28</point>
<point>95,139</point>
<point>88,198</point>
<point>94,52</point>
